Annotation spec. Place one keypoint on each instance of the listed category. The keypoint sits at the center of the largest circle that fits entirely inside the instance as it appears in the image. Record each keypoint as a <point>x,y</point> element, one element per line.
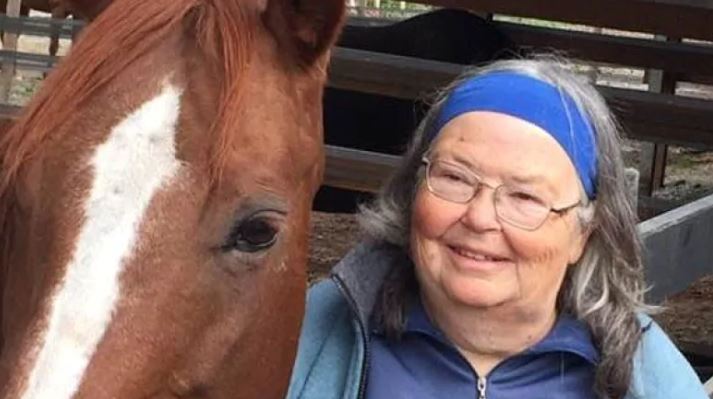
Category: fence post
<point>9,42</point>
<point>653,155</point>
<point>361,6</point>
<point>632,185</point>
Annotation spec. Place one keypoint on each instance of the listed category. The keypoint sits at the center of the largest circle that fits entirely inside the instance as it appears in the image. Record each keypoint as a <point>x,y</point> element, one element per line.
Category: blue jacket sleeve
<point>660,370</point>
<point>328,358</point>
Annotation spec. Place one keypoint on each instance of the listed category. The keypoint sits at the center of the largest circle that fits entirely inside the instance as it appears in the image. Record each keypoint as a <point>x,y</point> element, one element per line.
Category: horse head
<point>154,202</point>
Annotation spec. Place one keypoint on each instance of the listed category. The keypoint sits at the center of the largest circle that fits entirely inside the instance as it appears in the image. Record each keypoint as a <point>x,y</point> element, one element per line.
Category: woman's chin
<point>476,294</point>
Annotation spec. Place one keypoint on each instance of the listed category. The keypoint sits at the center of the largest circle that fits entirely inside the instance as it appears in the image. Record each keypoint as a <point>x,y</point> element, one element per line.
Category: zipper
<point>364,372</point>
<point>482,387</point>
<point>362,330</point>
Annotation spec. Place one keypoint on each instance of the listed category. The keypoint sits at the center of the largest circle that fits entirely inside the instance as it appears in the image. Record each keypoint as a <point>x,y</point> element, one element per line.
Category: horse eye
<point>253,234</point>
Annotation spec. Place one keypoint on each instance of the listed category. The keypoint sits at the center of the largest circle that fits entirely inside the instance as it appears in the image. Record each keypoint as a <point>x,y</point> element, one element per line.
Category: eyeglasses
<point>513,205</point>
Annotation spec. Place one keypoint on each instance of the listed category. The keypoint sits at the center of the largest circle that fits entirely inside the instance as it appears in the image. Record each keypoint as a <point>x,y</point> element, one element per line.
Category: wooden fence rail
<point>28,61</point>
<point>673,18</point>
<point>645,115</point>
<point>357,170</point>
<point>41,26</point>
<point>690,61</point>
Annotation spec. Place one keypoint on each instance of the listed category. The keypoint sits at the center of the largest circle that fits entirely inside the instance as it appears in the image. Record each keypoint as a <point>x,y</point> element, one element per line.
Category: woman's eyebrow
<point>472,165</point>
<point>463,161</point>
<point>524,179</point>
<point>532,180</point>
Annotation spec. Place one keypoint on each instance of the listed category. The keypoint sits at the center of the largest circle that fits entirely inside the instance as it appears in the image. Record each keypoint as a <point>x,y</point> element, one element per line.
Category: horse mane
<point>124,32</point>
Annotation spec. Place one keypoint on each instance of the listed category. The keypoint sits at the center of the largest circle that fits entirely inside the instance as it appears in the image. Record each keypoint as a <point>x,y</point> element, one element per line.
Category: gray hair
<point>604,289</point>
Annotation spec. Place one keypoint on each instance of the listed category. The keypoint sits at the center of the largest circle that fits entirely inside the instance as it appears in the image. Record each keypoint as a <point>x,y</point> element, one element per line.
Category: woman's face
<point>464,253</point>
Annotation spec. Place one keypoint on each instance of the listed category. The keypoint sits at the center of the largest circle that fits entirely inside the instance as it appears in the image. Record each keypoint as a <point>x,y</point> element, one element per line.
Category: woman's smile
<point>470,259</point>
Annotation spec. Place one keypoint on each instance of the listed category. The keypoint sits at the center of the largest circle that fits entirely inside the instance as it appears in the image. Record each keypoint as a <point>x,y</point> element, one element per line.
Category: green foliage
<point>396,5</point>
<point>388,9</point>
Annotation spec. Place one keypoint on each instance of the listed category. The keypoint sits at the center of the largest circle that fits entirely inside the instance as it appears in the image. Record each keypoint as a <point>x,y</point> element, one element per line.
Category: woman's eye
<point>526,197</point>
<point>449,174</point>
<point>453,176</point>
<point>522,196</point>
<point>252,235</point>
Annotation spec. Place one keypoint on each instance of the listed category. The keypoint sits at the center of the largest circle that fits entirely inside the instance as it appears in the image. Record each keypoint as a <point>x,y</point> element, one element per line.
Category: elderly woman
<point>502,260</point>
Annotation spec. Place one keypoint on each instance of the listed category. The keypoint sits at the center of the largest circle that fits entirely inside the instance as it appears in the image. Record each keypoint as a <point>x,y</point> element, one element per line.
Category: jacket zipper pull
<point>482,386</point>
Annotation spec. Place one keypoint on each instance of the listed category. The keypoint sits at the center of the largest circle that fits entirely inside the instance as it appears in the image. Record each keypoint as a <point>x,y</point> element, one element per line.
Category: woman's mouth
<point>477,260</point>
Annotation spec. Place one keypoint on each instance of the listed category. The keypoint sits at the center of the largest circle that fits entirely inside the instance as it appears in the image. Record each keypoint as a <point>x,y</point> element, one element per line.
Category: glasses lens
<point>450,182</point>
<point>520,207</point>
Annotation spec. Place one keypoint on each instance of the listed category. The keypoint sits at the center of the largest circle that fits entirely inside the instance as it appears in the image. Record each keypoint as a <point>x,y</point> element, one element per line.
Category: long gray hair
<point>604,289</point>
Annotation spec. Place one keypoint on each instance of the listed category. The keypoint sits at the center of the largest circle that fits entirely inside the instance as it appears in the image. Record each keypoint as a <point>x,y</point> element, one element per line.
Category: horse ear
<point>308,26</point>
<point>87,9</point>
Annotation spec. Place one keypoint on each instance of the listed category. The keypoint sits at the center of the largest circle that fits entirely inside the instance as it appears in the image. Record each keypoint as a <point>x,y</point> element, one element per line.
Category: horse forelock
<point>123,33</point>
<point>225,35</point>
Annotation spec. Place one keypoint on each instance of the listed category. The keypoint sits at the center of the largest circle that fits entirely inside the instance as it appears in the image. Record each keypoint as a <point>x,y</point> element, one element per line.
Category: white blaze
<point>137,159</point>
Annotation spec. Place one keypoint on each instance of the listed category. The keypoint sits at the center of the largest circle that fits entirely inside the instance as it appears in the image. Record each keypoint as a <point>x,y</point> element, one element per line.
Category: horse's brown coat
<point>195,318</point>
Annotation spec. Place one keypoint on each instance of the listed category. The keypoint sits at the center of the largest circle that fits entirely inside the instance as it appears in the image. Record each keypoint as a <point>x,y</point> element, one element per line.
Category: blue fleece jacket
<point>333,351</point>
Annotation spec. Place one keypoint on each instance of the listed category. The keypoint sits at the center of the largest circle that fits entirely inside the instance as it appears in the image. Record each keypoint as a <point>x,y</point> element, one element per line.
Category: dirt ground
<point>687,317</point>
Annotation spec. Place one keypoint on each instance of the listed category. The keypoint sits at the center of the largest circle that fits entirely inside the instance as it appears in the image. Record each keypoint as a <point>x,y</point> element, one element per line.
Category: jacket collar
<point>361,273</point>
<point>567,335</point>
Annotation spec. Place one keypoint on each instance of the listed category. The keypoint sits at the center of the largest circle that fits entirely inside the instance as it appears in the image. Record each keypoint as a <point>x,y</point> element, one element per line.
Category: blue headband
<point>534,101</point>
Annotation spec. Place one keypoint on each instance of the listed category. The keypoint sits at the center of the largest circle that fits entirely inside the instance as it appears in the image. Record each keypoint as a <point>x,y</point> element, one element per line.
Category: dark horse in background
<point>57,8</point>
<point>384,124</point>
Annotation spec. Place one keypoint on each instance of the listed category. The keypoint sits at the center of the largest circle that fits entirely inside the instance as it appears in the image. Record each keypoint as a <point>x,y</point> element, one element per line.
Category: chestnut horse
<point>154,203</point>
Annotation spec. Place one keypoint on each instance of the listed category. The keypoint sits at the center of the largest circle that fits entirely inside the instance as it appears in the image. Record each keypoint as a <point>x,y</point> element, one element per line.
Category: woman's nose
<point>480,214</point>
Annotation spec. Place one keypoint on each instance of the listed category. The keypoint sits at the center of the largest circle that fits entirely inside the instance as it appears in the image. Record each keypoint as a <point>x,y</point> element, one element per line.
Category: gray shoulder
<point>660,370</point>
<point>326,345</point>
<point>326,309</point>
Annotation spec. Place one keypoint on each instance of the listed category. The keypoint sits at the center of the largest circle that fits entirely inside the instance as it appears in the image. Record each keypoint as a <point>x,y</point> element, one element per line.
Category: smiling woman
<point>502,260</point>
<point>502,243</point>
<point>154,203</point>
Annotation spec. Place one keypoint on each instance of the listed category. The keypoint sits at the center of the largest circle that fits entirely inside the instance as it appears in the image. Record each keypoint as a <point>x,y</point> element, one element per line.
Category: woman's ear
<point>583,232</point>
